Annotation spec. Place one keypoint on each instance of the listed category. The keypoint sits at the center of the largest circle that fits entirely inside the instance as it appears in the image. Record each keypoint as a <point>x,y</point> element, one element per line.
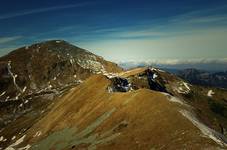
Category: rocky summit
<point>54,95</point>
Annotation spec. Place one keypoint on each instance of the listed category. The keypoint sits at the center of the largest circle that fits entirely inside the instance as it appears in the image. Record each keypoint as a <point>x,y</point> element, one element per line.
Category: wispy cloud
<point>177,25</point>
<point>196,21</point>
<point>193,23</point>
<point>42,10</point>
<point>4,40</point>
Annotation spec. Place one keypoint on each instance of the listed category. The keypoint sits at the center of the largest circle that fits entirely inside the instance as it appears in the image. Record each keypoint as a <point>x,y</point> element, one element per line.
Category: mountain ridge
<point>94,104</point>
<point>101,119</point>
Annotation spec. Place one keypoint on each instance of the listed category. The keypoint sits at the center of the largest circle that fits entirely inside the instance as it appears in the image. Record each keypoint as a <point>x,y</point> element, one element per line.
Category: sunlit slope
<point>89,117</point>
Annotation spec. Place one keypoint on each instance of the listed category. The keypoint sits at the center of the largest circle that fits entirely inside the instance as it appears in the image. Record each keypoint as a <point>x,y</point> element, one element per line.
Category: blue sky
<point>121,30</point>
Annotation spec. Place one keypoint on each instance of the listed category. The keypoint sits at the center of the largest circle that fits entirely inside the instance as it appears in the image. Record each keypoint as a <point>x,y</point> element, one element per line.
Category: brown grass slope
<point>42,72</point>
<point>212,110</point>
<point>89,117</point>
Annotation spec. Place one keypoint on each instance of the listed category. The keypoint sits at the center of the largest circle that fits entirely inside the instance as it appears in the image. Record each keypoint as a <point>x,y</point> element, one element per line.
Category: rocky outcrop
<point>119,84</point>
<point>153,81</point>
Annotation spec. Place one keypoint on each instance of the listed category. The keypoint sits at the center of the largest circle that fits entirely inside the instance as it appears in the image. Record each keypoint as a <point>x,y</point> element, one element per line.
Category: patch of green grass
<point>69,137</point>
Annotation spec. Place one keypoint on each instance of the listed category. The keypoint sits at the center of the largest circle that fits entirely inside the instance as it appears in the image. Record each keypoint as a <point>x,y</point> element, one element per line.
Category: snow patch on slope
<point>155,75</point>
<point>1,138</point>
<point>24,89</point>
<point>110,75</point>
<point>183,88</point>
<point>210,93</point>
<point>174,99</point>
<point>156,69</point>
<point>19,141</point>
<point>13,138</point>
<point>90,62</point>
<point>3,93</point>
<point>186,85</point>
<point>13,76</point>
<point>208,132</point>
<point>38,133</point>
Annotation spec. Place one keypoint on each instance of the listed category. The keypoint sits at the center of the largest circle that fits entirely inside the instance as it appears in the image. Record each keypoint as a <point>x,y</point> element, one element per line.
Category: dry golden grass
<point>132,72</point>
<point>141,119</point>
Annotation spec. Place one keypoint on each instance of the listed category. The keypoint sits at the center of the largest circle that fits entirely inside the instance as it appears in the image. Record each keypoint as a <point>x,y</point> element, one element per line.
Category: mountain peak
<point>50,64</point>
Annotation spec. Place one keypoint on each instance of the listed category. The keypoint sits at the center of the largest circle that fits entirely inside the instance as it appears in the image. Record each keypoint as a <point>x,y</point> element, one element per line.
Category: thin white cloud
<point>4,40</point>
<point>139,33</point>
<point>41,10</point>
<point>199,13</point>
<point>176,26</point>
<point>209,19</point>
<point>194,22</point>
<point>187,24</point>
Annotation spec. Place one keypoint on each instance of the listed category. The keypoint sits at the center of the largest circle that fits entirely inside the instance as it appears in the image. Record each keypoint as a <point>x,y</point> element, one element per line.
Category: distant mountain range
<point>204,78</point>
<point>208,65</point>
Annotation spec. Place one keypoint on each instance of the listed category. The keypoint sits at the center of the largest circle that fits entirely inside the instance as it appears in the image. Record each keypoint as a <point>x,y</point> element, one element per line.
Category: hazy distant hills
<point>208,65</point>
<point>205,78</point>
